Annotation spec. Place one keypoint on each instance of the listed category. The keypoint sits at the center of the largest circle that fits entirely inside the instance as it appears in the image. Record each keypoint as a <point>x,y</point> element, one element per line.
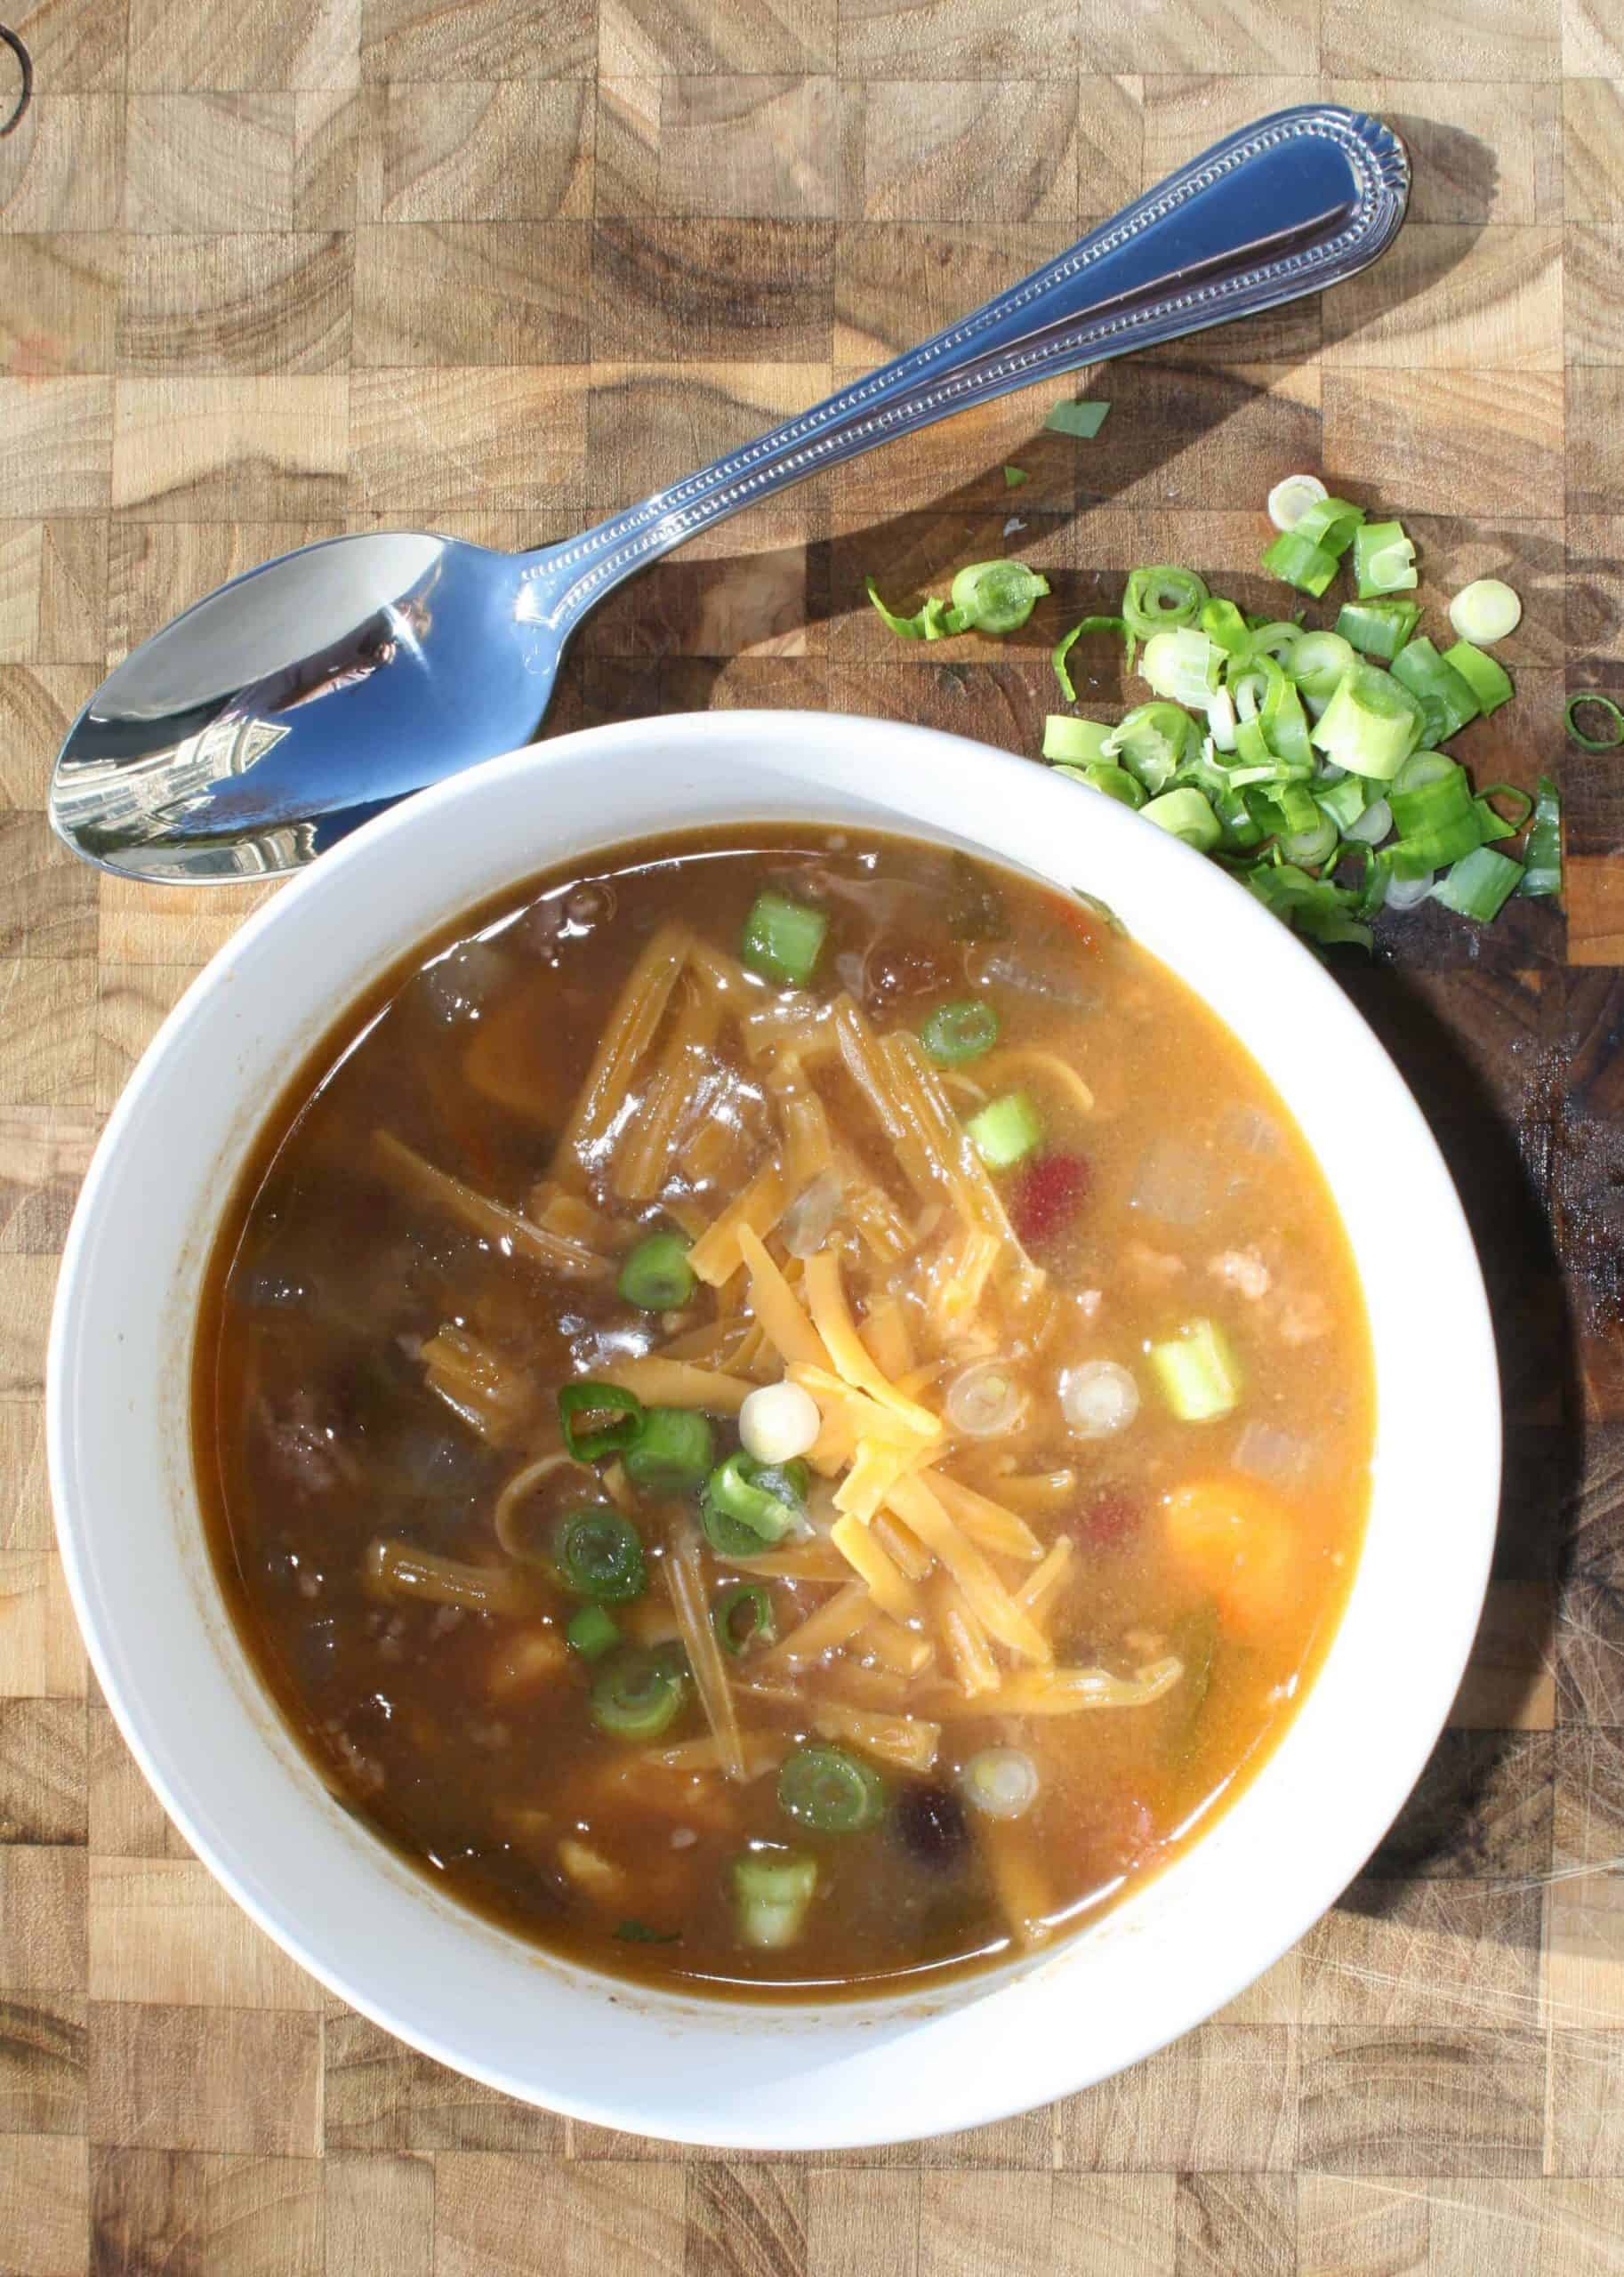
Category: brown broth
<point>465,1737</point>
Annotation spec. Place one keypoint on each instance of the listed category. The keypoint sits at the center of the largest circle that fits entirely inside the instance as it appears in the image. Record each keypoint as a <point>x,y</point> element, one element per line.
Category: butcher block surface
<point>273,270</point>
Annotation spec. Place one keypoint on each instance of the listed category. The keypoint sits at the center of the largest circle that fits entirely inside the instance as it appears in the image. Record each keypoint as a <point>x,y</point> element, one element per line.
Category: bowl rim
<point>1005,2089</point>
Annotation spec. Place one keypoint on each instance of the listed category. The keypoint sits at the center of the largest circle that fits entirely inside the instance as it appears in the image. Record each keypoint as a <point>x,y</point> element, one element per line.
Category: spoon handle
<point>1293,203</point>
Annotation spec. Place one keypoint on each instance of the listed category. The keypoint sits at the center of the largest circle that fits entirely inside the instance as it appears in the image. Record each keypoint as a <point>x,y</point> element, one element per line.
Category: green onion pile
<point>1308,762</point>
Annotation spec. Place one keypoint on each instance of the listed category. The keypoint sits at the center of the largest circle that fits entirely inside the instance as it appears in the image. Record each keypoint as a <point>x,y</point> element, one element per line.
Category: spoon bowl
<point>280,712</point>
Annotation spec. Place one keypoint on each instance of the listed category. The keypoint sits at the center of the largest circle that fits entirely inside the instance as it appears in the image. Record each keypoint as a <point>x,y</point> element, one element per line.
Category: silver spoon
<point>306,696</point>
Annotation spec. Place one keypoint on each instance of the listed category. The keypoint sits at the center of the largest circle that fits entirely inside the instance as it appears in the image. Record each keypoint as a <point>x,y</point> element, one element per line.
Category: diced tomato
<point>1048,1194</point>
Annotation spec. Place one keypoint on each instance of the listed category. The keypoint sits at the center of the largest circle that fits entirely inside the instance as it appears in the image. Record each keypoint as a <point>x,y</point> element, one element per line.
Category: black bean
<point>931,1824</point>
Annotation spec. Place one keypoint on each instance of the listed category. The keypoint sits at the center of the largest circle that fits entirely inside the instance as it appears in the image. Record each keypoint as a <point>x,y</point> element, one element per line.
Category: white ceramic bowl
<point>782,2077</point>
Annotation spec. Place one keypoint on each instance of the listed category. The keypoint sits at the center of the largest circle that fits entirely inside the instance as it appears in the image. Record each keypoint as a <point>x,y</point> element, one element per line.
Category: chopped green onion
<point>1542,852</point>
<point>1161,598</point>
<point>1383,561</point>
<point>1344,801</point>
<point>1371,827</point>
<point>996,597</point>
<point>1289,501</point>
<point>1421,851</point>
<point>1593,699</point>
<point>927,622</point>
<point>600,1555</point>
<point>1001,1781</point>
<point>1407,893</point>
<point>1371,725</point>
<point>673,1451</point>
<point>1285,727</point>
<point>1014,475</point>
<point>1112,781</point>
<point>1275,636</point>
<point>1063,648</point>
<point>772,1890</point>
<point>1318,664</point>
<point>1149,741</point>
<point>1424,767</point>
<point>831,1791</point>
<point>1371,894</point>
<point>657,1276</point>
<point>1378,628</point>
<point>955,1033</point>
<point>1422,799</point>
<point>1077,741</point>
<point>1198,1373</point>
<point>638,1933</point>
<point>591,1398</point>
<point>1222,622</point>
<point>1082,419</point>
<point>782,940</point>
<point>1005,1131</point>
<point>1485,610</point>
<point>1283,808</point>
<point>1184,814</point>
<point>591,1632</point>
<point>638,1696</point>
<point>742,1615</point>
<point>1487,679</point>
<point>1480,885</point>
<point>1297,560</point>
<point>1318,909</point>
<point>1495,825</point>
<point>1444,695</point>
<point>1222,724</point>
<point>1182,666</point>
<point>1332,523</point>
<point>1313,846</point>
<point>767,1499</point>
<point>726,1537</point>
<point>1103,910</point>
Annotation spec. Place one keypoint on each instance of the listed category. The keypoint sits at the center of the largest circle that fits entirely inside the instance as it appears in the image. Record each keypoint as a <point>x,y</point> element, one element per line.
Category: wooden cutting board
<point>274,268</point>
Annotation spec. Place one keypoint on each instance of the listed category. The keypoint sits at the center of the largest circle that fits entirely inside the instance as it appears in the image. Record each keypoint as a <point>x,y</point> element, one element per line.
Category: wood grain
<point>276,269</point>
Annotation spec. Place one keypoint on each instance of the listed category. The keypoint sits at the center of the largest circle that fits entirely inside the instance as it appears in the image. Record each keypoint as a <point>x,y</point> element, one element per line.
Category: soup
<point>787,1409</point>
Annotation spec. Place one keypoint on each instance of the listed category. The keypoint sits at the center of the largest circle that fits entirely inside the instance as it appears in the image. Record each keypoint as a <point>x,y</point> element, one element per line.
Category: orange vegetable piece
<point>1240,1541</point>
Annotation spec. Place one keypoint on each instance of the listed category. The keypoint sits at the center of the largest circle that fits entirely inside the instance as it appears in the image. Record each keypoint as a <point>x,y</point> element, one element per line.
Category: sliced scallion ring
<point>831,1791</point>
<point>1485,611</point>
<point>1161,598</point>
<point>599,1556</point>
<point>1290,499</point>
<point>638,1695</point>
<point>1182,666</point>
<point>955,1033</point>
<point>1001,1781</point>
<point>1063,648</point>
<point>742,1616</point>
<point>1593,699</point>
<point>996,597</point>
